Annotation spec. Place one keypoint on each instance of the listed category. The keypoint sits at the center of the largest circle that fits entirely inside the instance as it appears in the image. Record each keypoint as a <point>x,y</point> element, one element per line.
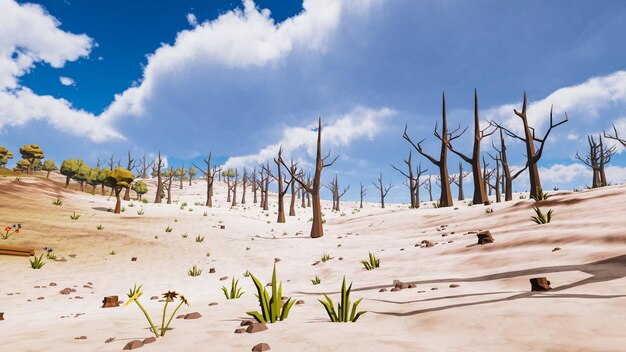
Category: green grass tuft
<point>541,218</point>
<point>343,313</point>
<point>194,271</point>
<point>372,262</point>
<point>271,308</point>
<point>235,291</point>
<point>37,262</point>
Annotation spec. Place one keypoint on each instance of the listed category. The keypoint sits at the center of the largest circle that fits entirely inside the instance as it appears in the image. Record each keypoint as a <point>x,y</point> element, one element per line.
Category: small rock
<point>401,285</point>
<point>540,284</point>
<point>556,249</point>
<point>40,298</point>
<point>182,316</point>
<point>240,330</point>
<point>484,237</point>
<point>223,278</point>
<point>222,227</point>
<point>52,284</point>
<point>72,255</point>
<point>382,290</point>
<point>87,286</point>
<point>154,297</point>
<point>395,289</point>
<point>133,345</point>
<point>256,327</point>
<point>90,283</point>
<point>298,302</point>
<point>211,270</point>
<point>149,340</point>
<point>37,287</point>
<point>340,258</point>
<point>81,338</point>
<point>246,322</point>
<point>434,289</point>
<point>213,304</point>
<point>78,297</point>
<point>454,285</point>
<point>317,262</point>
<point>66,291</point>
<point>134,259</point>
<point>110,302</point>
<point>194,315</point>
<point>260,347</point>
<point>1,315</point>
<point>412,286</point>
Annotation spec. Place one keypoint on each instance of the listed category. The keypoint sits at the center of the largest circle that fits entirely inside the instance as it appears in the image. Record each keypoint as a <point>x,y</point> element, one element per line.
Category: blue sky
<point>237,79</point>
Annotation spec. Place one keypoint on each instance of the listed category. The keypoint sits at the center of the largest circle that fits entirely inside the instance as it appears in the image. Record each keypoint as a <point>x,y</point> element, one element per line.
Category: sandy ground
<point>493,308</point>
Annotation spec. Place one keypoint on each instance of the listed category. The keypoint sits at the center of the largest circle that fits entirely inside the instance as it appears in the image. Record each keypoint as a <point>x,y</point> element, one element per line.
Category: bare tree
<point>292,206</point>
<point>597,157</point>
<point>363,194</point>
<point>428,184</point>
<point>334,189</point>
<point>487,173</point>
<point>255,186</point>
<point>158,168</point>
<point>507,177</point>
<point>445,137</point>
<point>209,176</point>
<point>615,136</point>
<point>145,165</point>
<point>181,175</point>
<point>233,188</point>
<point>410,183</point>
<point>302,197</point>
<point>192,171</point>
<point>383,190</point>
<point>279,178</point>
<point>169,175</point>
<point>317,229</point>
<point>496,185</point>
<point>419,172</point>
<point>529,139</point>
<point>244,184</point>
<point>458,181</point>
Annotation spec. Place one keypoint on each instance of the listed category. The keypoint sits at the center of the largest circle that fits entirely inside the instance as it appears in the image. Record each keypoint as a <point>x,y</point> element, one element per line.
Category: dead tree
<point>445,137</point>
<point>209,176</point>
<point>615,137</point>
<point>419,172</point>
<point>458,181</point>
<point>487,173</point>
<point>383,190</point>
<point>302,197</point>
<point>410,183</point>
<point>479,196</point>
<point>130,167</point>
<point>507,177</point>
<point>233,188</point>
<point>261,185</point>
<point>255,186</point>
<point>597,157</point>
<point>266,192</point>
<point>279,178</point>
<point>169,174</point>
<point>317,229</point>
<point>145,165</point>
<point>181,175</point>
<point>244,184</point>
<point>363,194</point>
<point>496,186</point>
<point>533,155</point>
<point>159,189</point>
<point>292,206</point>
<point>334,188</point>
<point>428,184</point>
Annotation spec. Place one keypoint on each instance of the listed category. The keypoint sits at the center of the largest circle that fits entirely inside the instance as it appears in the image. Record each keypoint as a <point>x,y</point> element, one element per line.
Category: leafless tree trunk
<point>506,171</point>
<point>209,176</point>
<point>130,166</point>
<point>445,137</point>
<point>317,229</point>
<point>302,197</point>
<point>410,178</point>
<point>170,176</point>
<point>383,190</point>
<point>428,184</point>
<point>363,194</point>
<point>244,184</point>
<point>255,187</point>
<point>292,206</point>
<point>597,157</point>
<point>159,190</point>
<point>334,188</point>
<point>234,189</point>
<point>529,139</point>
<point>279,178</point>
<point>145,165</point>
<point>458,180</point>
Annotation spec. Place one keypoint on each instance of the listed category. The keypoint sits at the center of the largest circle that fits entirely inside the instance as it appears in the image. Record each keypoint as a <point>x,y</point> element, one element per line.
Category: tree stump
<point>110,302</point>
<point>484,237</point>
<point>540,284</point>
<point>1,315</point>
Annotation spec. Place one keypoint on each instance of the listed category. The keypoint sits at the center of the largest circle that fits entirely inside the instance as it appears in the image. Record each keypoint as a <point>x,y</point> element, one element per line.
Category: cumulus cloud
<point>67,81</point>
<point>359,123</point>
<point>29,35</point>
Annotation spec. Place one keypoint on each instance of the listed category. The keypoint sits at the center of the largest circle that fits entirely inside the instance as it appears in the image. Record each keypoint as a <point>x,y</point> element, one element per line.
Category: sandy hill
<point>467,297</point>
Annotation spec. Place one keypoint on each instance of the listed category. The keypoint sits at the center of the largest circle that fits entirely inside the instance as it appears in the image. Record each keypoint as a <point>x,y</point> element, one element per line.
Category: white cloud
<point>67,81</point>
<point>192,19</point>
<point>359,123</point>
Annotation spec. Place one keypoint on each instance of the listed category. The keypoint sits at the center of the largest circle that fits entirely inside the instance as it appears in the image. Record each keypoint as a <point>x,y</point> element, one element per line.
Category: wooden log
<point>22,254</point>
<point>23,251</point>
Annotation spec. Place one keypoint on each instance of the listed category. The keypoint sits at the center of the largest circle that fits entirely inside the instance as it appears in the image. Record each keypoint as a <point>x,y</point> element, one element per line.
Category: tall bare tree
<point>244,184</point>
<point>363,194</point>
<point>334,189</point>
<point>615,136</point>
<point>442,163</point>
<point>169,175</point>
<point>130,167</point>
<point>145,166</point>
<point>209,176</point>
<point>317,228</point>
<point>255,186</point>
<point>428,184</point>
<point>382,189</point>
<point>158,165</point>
<point>233,188</point>
<point>532,154</point>
<point>458,181</point>
<point>597,157</point>
<point>410,183</point>
<point>279,177</point>
<point>293,167</point>
<point>507,176</point>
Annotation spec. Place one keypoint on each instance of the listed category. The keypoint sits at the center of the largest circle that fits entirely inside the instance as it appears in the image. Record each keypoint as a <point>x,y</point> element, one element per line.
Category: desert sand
<point>492,309</point>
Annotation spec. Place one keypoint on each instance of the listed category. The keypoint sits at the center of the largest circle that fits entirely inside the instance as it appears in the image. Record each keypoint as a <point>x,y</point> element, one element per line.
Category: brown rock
<point>240,330</point>
<point>87,286</point>
<point>427,243</point>
<point>40,298</point>
<point>299,302</point>
<point>246,322</point>
<point>401,285</point>
<point>1,315</point>
<point>454,285</point>
<point>211,270</point>
<point>540,284</point>
<point>412,286</point>
<point>434,289</point>
<point>556,249</point>
<point>256,327</point>
<point>149,340</point>
<point>133,345</point>
<point>72,255</point>
<point>194,315</point>
<point>154,297</point>
<point>213,304</point>
<point>395,289</point>
<point>261,347</point>
<point>81,338</point>
<point>223,278</point>
<point>66,291</point>
<point>222,227</point>
<point>181,316</point>
<point>134,259</point>
<point>110,302</point>
<point>52,284</point>
<point>340,258</point>
<point>484,237</point>
<point>382,290</point>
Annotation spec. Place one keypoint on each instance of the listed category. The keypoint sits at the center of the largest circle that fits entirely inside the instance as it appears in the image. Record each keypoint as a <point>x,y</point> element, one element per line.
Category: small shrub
<point>168,229</point>
<point>342,314</point>
<point>372,262</point>
<point>144,201</point>
<point>74,216</point>
<point>58,202</point>
<point>235,291</point>
<point>246,273</point>
<point>140,212</point>
<point>316,280</point>
<point>208,254</point>
<point>184,235</point>
<point>100,227</point>
<point>326,257</point>
<point>11,230</point>
<point>271,309</point>
<point>205,214</point>
<point>18,178</point>
<point>112,253</point>
<point>135,293</point>
<point>37,262</point>
<point>49,254</point>
<point>541,196</point>
<point>541,218</point>
<point>489,211</point>
<point>199,239</point>
<point>123,209</point>
<point>130,205</point>
<point>248,248</point>
<point>437,204</point>
<point>194,271</point>
<point>576,190</point>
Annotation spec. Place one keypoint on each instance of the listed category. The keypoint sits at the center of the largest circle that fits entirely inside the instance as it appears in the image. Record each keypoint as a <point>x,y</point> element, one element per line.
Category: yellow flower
<point>170,295</point>
<point>133,295</point>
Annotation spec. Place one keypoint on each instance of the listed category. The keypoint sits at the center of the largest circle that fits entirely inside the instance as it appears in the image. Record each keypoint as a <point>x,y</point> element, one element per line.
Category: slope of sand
<point>491,310</point>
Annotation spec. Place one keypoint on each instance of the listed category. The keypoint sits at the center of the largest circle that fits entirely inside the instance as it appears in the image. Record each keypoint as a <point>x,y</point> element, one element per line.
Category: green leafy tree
<point>140,188</point>
<point>69,168</point>
<point>5,155</point>
<point>93,180</point>
<point>31,153</point>
<point>22,165</point>
<point>102,175</point>
<point>49,166</point>
<point>118,180</point>
<point>192,173</point>
<point>228,173</point>
<point>82,174</point>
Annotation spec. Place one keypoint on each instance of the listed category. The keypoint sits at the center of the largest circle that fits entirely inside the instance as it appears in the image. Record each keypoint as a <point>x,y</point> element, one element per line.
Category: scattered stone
<point>240,330</point>
<point>1,315</point>
<point>90,283</point>
<point>556,249</point>
<point>52,284</point>
<point>37,287</point>
<point>194,315</point>
<point>87,286</point>
<point>110,302</point>
<point>78,297</point>
<point>134,259</point>
<point>444,235</point>
<point>412,286</point>
<point>149,340</point>
<point>133,345</point>
<point>154,297</point>
<point>182,316</point>
<point>434,289</point>
<point>540,284</point>
<point>298,302</point>
<point>223,278</point>
<point>317,262</point>
<point>421,291</point>
<point>340,258</point>
<point>222,227</point>
<point>401,249</point>
<point>256,327</point>
<point>260,347</point>
<point>62,260</point>
<point>67,291</point>
<point>40,298</point>
<point>401,285</point>
<point>213,304</point>
<point>484,237</point>
<point>395,289</point>
<point>427,243</point>
<point>72,256</point>
<point>211,270</point>
<point>81,338</point>
<point>382,290</point>
<point>246,322</point>
<point>454,285</point>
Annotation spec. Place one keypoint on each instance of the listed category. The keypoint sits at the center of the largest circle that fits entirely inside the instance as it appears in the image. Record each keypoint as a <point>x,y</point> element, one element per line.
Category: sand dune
<point>492,309</point>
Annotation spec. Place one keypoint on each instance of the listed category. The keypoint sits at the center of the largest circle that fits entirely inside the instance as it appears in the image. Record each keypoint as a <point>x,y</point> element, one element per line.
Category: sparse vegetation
<point>140,212</point>
<point>489,211</point>
<point>170,296</point>
<point>235,291</point>
<point>371,263</point>
<point>194,271</point>
<point>112,253</point>
<point>316,280</point>
<point>100,227</point>
<point>58,202</point>
<point>541,218</point>
<point>343,313</point>
<point>540,196</point>
<point>37,262</point>
<point>11,230</point>
<point>326,257</point>
<point>246,273</point>
<point>271,309</point>
<point>74,216</point>
<point>168,229</point>
<point>199,239</point>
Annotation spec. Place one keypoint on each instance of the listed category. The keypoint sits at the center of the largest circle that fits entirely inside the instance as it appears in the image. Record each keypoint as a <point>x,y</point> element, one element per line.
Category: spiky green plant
<point>326,257</point>
<point>246,273</point>
<point>437,204</point>
<point>37,262</point>
<point>194,271</point>
<point>343,313</point>
<point>372,262</point>
<point>541,196</point>
<point>316,280</point>
<point>100,227</point>
<point>235,291</point>
<point>184,235</point>
<point>168,229</point>
<point>489,211</point>
<point>74,216</point>
<point>140,212</point>
<point>541,218</point>
<point>130,205</point>
<point>112,253</point>
<point>199,239</point>
<point>271,310</point>
<point>58,202</point>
